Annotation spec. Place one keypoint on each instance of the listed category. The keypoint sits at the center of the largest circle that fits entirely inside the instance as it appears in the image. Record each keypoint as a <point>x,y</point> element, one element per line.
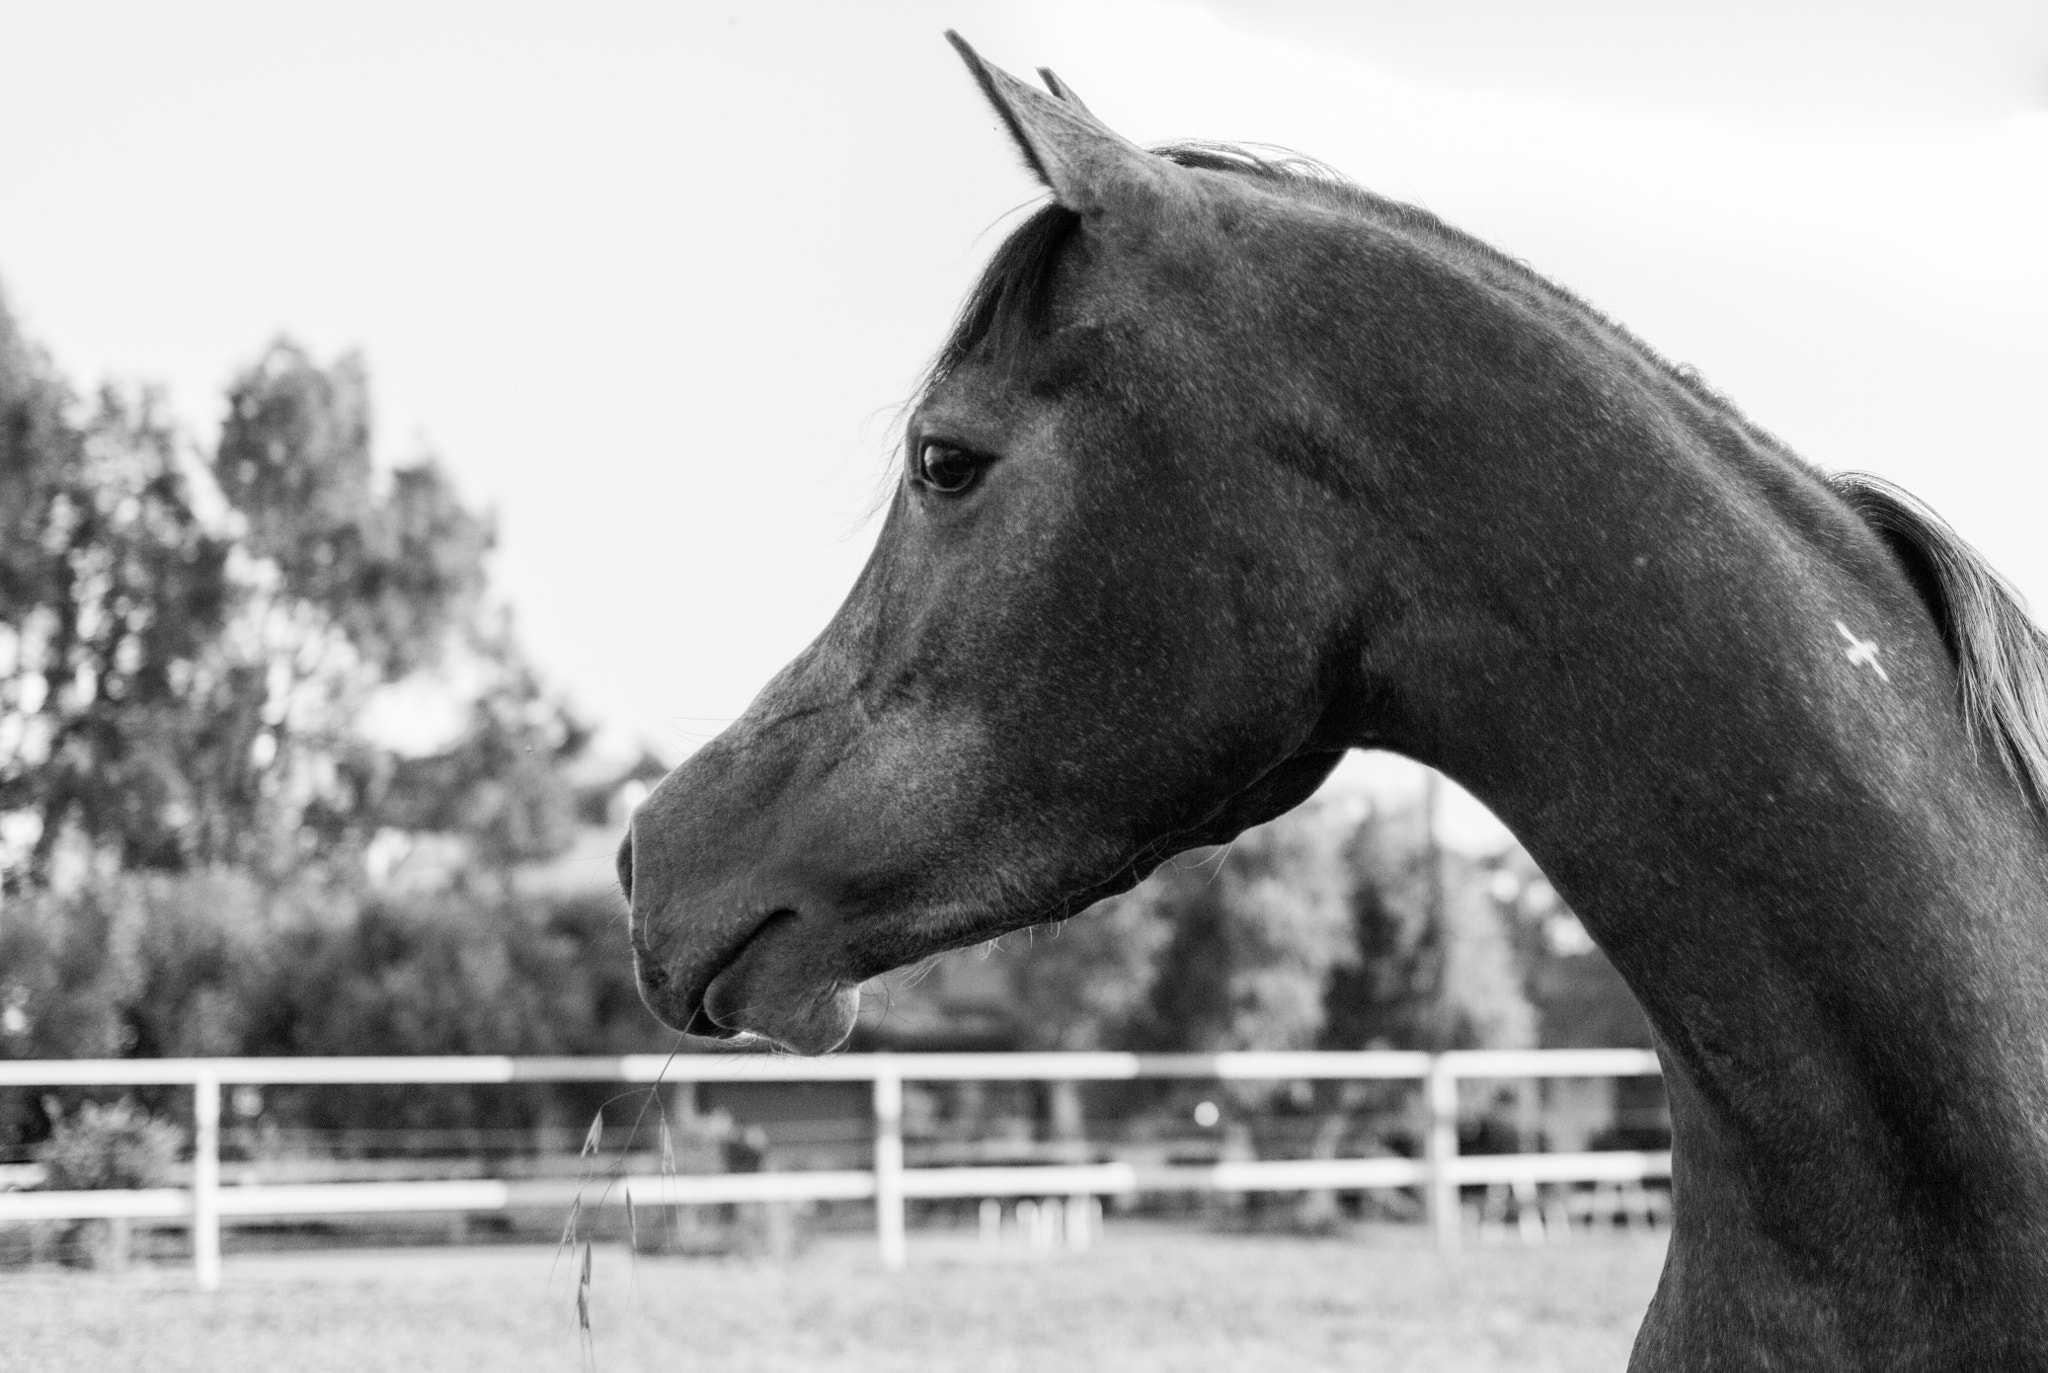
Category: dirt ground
<point>1147,1298</point>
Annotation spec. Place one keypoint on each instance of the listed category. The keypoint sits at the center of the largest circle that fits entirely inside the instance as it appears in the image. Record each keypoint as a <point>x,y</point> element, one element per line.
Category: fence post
<point>206,1179</point>
<point>889,1164</point>
<point>1441,1095</point>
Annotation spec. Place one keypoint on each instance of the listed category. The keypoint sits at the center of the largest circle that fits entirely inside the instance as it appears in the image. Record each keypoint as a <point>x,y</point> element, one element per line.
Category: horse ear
<point>1062,90</point>
<point>1087,165</point>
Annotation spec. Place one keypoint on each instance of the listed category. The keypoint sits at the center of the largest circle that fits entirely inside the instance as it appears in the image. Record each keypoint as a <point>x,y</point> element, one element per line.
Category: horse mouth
<point>730,983</point>
<point>768,985</point>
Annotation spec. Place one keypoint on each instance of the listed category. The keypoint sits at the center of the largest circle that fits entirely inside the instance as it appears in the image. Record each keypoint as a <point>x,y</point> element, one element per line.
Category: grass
<point>1148,1298</point>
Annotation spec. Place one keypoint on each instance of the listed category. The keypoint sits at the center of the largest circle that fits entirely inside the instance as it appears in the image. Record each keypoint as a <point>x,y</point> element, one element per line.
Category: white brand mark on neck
<point>1862,652</point>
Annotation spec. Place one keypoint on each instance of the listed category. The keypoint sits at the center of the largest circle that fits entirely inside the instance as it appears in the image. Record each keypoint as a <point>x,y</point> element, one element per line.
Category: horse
<point>1229,466</point>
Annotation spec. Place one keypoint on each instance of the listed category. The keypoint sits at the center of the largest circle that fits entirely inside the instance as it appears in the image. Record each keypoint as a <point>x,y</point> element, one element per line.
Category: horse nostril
<point>626,865</point>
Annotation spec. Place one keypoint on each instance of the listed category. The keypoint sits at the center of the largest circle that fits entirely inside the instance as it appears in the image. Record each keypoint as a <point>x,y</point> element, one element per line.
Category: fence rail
<point>1439,1173</point>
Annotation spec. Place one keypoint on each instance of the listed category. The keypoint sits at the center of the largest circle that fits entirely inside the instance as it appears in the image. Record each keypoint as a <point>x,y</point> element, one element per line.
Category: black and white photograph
<point>1105,686</point>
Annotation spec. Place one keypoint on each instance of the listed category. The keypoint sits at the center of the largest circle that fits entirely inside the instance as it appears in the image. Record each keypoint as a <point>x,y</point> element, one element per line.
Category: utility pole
<point>1432,855</point>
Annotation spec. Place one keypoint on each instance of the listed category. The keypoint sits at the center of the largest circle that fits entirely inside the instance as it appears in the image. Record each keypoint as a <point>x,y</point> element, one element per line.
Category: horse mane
<point>2001,657</point>
<point>1011,302</point>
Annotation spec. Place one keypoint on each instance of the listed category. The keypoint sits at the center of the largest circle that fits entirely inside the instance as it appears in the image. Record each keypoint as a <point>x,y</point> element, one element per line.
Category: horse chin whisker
<point>917,974</point>
<point>1221,856</point>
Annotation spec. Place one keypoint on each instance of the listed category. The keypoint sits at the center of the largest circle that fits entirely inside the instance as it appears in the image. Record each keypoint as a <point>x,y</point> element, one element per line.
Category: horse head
<point>1096,628</point>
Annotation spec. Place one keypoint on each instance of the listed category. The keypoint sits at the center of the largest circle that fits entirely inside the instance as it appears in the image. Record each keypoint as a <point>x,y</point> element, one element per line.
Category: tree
<point>68,971</point>
<point>1084,983</point>
<point>187,788</point>
<point>181,691</point>
<point>1323,928</point>
<point>1256,929</point>
<point>503,783</point>
<point>372,587</point>
<point>112,595</point>
<point>1222,948</point>
<point>388,575</point>
<point>350,588</point>
<point>1437,965</point>
<point>206,953</point>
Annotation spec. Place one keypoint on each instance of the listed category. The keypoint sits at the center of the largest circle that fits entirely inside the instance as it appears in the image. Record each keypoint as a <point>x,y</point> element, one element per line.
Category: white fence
<point>1439,1173</point>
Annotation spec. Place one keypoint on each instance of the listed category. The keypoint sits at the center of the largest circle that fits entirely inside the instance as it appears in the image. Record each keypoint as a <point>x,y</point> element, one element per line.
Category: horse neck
<point>1728,731</point>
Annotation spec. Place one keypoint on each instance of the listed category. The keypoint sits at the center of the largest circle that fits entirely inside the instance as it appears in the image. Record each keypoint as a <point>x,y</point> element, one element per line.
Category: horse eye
<point>945,468</point>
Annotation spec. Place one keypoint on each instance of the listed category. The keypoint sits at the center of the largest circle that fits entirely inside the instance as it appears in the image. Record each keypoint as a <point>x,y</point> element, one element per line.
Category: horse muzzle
<point>706,971</point>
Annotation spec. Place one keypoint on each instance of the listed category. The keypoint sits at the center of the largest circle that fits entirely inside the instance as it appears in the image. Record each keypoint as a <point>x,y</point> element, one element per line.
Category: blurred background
<point>421,427</point>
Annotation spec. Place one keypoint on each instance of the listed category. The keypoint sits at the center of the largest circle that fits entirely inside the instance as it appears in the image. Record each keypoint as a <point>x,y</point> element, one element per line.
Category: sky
<point>653,280</point>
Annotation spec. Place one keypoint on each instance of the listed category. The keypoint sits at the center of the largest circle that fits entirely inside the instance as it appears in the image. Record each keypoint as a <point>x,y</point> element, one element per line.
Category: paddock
<point>1148,1297</point>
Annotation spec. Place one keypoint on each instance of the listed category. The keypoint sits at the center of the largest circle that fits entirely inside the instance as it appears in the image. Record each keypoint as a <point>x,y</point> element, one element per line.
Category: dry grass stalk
<point>588,1336</point>
<point>593,1140</point>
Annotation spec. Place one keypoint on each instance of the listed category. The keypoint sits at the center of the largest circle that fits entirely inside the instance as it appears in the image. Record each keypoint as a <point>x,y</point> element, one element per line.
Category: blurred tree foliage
<point>1326,928</point>
<point>113,1145</point>
<point>188,791</point>
<point>1437,963</point>
<point>389,575</point>
<point>1083,983</point>
<point>118,713</point>
<point>68,969</point>
<point>186,647</point>
<point>1256,929</point>
<point>214,962</point>
<point>501,783</point>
